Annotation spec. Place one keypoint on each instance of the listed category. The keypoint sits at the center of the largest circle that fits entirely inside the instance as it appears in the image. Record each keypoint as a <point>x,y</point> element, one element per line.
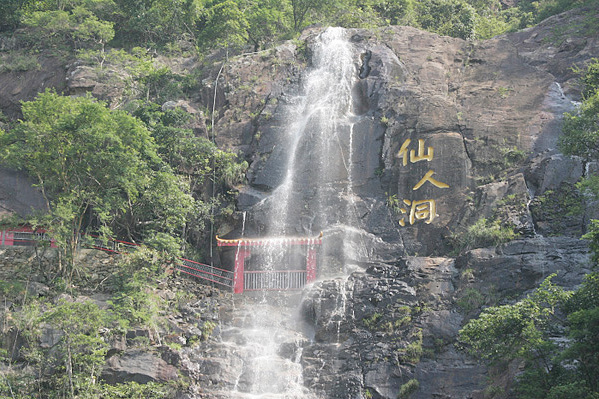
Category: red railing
<point>108,245</point>
<point>26,236</point>
<point>249,280</point>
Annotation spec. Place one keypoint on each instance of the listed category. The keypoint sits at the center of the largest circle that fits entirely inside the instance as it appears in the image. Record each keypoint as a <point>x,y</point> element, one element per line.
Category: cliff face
<point>489,113</point>
<point>469,128</point>
<point>445,132</point>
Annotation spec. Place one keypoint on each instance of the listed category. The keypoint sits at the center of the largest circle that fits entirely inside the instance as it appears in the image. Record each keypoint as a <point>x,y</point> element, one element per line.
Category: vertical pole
<point>311,265</point>
<point>9,238</point>
<point>1,237</point>
<point>240,256</point>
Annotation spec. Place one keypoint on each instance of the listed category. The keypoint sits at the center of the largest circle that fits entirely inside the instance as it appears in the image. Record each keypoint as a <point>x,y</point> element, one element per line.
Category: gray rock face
<point>470,128</point>
<point>138,366</point>
<point>439,119</point>
<point>17,86</point>
<point>17,196</point>
<point>378,329</point>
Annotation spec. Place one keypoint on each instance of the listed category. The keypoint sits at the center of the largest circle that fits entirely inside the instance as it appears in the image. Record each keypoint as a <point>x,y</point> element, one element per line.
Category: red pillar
<point>9,237</point>
<point>311,265</point>
<point>240,256</point>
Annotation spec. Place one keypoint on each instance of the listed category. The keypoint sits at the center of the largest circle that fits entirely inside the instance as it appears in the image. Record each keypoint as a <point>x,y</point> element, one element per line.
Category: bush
<point>471,299</point>
<point>133,389</point>
<point>593,236</point>
<point>408,388</point>
<point>135,302</point>
<point>16,61</point>
<point>483,234</point>
<point>448,17</point>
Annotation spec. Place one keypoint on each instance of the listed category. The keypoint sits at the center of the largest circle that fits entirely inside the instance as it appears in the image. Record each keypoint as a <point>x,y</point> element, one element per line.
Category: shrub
<point>483,234</point>
<point>408,389</point>
<point>471,299</point>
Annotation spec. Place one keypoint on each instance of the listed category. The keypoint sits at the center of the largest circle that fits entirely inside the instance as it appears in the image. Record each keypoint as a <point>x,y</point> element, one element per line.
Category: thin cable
<point>213,162</point>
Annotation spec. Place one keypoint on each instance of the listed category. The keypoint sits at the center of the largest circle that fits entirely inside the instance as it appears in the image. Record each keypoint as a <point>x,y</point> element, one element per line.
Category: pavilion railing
<point>274,280</point>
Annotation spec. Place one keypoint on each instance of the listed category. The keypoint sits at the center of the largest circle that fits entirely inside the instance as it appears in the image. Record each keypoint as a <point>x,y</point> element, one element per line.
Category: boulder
<point>139,366</point>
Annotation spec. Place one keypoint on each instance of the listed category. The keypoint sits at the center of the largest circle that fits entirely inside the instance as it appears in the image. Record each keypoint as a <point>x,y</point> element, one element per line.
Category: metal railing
<point>110,244</point>
<point>27,237</point>
<point>24,237</point>
<point>252,280</point>
<point>206,272</point>
<point>274,280</point>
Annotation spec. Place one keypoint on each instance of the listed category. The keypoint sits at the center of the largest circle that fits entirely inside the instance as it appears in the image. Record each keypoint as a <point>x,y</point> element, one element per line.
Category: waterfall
<point>316,185</point>
<point>318,131</point>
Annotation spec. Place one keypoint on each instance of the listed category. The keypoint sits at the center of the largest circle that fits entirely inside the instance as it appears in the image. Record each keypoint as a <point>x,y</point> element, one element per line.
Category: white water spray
<point>317,184</point>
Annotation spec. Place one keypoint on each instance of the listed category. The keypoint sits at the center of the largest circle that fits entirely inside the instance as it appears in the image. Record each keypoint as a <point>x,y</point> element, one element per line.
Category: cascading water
<point>316,186</point>
<point>318,133</point>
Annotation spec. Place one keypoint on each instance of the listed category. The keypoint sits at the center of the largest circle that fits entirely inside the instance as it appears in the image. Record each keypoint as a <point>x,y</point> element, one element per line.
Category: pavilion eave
<point>269,241</point>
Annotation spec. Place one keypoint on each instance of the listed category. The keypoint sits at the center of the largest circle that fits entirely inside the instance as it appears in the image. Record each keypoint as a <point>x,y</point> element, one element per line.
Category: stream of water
<point>316,186</point>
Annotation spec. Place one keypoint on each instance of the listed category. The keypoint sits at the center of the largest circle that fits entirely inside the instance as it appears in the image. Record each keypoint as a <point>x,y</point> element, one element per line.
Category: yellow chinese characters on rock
<point>422,209</point>
<point>419,210</point>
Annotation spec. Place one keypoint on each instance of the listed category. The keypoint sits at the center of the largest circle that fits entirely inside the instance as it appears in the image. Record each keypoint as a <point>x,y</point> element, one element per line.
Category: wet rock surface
<point>489,110</point>
<point>376,330</point>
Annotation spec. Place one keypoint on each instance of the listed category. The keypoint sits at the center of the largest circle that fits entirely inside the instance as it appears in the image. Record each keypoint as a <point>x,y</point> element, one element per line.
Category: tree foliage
<point>10,14</point>
<point>511,331</point>
<point>75,336</point>
<point>196,160</point>
<point>238,23</point>
<point>581,138</point>
<point>527,330</point>
<point>79,23</point>
<point>96,168</point>
<point>80,351</point>
<point>454,18</point>
<point>581,129</point>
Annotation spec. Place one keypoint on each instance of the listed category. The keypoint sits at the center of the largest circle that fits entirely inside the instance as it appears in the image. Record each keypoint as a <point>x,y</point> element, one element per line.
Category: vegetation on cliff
<point>238,23</point>
<point>55,344</point>
<point>112,173</point>
<point>140,173</point>
<point>552,331</point>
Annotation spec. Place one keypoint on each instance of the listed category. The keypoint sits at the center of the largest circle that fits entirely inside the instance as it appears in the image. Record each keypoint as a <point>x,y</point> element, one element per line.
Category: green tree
<point>396,12</point>
<point>302,8</point>
<point>581,130</point>
<point>156,21</point>
<point>95,168</point>
<point>11,13</point>
<point>581,137</point>
<point>78,23</point>
<point>519,330</point>
<point>593,236</point>
<point>222,23</point>
<point>541,9</point>
<point>527,330</point>
<point>267,21</point>
<point>196,160</point>
<point>136,303</point>
<point>80,351</point>
<point>447,17</point>
<point>582,310</point>
<point>589,77</point>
